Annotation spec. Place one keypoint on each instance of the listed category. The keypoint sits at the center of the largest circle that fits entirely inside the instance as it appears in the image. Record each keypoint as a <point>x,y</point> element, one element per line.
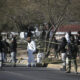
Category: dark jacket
<point>1,47</point>
<point>62,47</point>
<point>13,45</point>
<point>78,40</point>
<point>43,34</point>
<point>5,46</point>
<point>55,45</point>
<point>72,49</point>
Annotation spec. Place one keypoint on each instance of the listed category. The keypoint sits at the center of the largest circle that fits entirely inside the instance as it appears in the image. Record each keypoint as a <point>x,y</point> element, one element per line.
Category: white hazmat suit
<point>31,48</point>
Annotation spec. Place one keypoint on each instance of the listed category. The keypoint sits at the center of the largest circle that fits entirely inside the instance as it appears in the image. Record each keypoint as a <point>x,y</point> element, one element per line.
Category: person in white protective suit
<point>31,49</point>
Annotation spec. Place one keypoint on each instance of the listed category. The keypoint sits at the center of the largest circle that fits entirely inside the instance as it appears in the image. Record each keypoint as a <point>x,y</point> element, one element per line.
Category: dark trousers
<point>69,63</point>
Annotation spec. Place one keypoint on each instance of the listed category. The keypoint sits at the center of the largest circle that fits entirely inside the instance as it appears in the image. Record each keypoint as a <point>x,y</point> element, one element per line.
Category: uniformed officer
<point>13,49</point>
<point>72,54</point>
<point>78,42</point>
<point>55,47</point>
<point>31,49</point>
<point>62,49</point>
<point>5,50</point>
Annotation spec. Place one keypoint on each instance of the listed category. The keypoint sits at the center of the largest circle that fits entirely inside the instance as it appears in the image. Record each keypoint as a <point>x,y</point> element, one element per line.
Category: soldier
<point>55,47</point>
<point>72,54</point>
<point>62,49</point>
<point>78,42</point>
<point>13,50</point>
<point>31,48</point>
<point>43,34</point>
<point>5,50</point>
<point>1,48</point>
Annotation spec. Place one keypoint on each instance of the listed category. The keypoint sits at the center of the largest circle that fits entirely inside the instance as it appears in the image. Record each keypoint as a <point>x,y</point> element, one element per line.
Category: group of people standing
<point>69,49</point>
<point>8,45</point>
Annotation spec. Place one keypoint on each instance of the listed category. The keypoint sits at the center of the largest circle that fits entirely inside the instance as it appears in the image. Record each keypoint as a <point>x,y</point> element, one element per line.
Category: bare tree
<point>56,19</point>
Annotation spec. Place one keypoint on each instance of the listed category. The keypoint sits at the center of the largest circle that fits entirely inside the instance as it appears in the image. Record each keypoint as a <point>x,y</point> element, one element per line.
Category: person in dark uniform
<point>1,48</point>
<point>55,47</point>
<point>5,50</point>
<point>43,34</point>
<point>78,42</point>
<point>72,54</point>
<point>62,49</point>
<point>13,49</point>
